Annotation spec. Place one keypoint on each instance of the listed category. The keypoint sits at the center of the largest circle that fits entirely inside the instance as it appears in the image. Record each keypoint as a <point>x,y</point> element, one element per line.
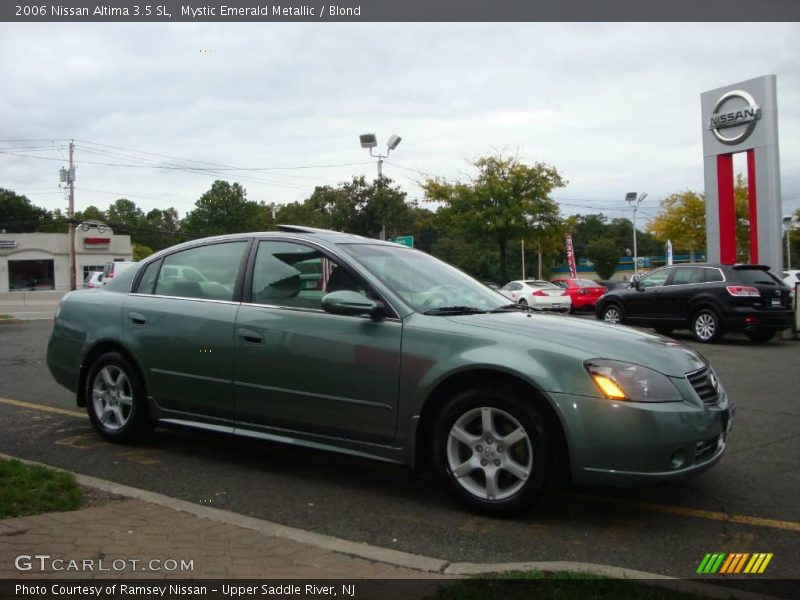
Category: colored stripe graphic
<point>736,562</point>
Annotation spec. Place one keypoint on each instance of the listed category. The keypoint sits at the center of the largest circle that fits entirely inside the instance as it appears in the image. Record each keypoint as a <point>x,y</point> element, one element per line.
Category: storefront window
<point>26,275</point>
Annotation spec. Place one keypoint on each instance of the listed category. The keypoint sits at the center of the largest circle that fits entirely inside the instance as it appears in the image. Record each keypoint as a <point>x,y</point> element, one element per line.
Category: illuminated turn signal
<point>609,387</point>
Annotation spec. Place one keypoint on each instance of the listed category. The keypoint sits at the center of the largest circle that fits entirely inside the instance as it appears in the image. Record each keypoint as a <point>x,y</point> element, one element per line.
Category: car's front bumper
<point>631,443</point>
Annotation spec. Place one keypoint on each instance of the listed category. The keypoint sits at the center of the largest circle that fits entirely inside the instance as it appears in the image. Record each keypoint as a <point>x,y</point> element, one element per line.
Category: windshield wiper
<point>514,306</point>
<point>454,310</point>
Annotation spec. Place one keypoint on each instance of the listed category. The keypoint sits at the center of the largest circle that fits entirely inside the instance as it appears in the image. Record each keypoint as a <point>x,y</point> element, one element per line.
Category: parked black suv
<point>706,299</point>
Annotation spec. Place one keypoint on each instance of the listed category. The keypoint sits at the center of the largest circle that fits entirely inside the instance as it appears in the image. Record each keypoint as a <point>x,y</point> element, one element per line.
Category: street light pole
<point>635,200</point>
<point>369,141</point>
<point>523,259</point>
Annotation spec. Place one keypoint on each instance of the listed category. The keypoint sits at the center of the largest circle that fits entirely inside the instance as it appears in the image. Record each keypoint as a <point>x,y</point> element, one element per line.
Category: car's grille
<point>705,383</point>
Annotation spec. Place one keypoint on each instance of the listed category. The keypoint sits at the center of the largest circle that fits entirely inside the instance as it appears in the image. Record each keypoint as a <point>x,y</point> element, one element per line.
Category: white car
<point>94,280</point>
<point>791,278</point>
<point>538,294</point>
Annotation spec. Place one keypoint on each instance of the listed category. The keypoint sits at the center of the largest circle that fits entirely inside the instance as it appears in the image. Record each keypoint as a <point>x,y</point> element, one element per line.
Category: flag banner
<point>669,252</point>
<point>573,269</point>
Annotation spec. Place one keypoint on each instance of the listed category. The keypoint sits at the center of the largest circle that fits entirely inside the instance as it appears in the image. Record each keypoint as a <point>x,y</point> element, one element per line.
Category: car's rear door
<point>686,283</point>
<point>182,331</point>
<point>299,368</point>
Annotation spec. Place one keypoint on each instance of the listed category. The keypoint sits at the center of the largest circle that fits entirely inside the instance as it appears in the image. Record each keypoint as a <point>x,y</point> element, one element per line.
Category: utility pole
<point>523,259</point>
<point>71,217</point>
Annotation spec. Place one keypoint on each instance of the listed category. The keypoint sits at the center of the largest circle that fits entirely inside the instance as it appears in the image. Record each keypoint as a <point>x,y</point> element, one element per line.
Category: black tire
<point>523,302</point>
<point>664,330</point>
<point>706,326</point>
<point>606,314</point>
<point>118,412</point>
<point>535,453</point>
<point>761,336</point>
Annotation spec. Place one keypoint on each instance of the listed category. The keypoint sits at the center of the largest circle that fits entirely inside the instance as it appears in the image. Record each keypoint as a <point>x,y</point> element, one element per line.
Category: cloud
<point>614,106</point>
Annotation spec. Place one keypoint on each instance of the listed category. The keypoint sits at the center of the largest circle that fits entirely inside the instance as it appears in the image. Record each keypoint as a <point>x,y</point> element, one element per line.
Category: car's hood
<point>592,339</point>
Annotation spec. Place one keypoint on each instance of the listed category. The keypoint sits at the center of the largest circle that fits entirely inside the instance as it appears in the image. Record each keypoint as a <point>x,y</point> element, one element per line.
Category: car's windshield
<point>424,282</point>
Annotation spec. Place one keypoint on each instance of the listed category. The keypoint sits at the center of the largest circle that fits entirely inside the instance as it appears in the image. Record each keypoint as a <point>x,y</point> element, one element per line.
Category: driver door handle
<point>137,318</point>
<point>249,335</point>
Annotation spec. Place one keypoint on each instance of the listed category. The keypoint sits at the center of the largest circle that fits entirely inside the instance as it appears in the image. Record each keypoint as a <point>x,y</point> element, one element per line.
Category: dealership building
<point>40,261</point>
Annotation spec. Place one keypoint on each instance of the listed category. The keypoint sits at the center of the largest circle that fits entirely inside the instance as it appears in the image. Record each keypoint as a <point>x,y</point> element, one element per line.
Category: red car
<point>584,292</point>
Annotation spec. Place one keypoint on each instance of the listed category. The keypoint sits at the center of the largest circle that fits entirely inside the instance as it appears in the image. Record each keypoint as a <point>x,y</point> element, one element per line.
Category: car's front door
<point>677,295</point>
<point>299,368</point>
<point>645,302</point>
<point>182,331</point>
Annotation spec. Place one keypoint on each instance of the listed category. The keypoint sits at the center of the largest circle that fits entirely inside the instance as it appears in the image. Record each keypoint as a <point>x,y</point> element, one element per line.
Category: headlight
<point>627,381</point>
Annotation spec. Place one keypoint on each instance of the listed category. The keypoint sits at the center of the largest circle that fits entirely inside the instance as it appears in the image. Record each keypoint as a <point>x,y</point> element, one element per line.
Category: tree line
<point>477,224</point>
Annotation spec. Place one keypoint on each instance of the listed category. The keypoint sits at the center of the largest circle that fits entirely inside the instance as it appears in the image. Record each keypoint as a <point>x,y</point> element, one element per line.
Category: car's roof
<point>296,231</point>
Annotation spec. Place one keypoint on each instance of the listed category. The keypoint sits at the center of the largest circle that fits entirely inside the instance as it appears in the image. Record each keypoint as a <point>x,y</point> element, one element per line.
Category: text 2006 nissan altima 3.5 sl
<point>344,343</point>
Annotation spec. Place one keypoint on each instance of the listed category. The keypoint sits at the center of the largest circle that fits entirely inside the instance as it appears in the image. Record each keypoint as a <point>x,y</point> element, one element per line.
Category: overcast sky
<point>615,107</point>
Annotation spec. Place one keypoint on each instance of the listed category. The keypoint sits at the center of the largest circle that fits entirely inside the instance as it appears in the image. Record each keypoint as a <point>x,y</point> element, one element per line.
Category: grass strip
<point>32,490</point>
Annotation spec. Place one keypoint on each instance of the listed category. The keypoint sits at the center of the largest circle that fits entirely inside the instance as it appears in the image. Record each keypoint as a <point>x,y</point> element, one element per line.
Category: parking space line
<point>645,506</point>
<point>41,407</point>
<point>687,512</point>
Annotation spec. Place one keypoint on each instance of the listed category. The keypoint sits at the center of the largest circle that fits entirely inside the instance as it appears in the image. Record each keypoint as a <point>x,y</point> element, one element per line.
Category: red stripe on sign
<point>89,240</point>
<point>727,210</point>
<point>752,198</point>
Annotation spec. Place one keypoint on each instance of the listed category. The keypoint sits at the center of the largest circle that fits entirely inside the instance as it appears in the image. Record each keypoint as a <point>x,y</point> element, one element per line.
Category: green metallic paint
<point>359,385</point>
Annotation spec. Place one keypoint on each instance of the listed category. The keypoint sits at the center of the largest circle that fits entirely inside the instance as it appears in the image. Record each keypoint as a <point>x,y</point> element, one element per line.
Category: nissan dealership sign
<point>737,111</point>
<point>742,118</point>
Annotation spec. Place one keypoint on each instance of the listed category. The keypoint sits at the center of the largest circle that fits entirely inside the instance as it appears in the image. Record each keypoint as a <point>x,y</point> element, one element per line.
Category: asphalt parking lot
<point>747,503</point>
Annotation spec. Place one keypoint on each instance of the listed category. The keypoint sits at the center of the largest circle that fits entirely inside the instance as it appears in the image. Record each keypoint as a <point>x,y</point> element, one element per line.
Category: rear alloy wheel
<point>493,452</point>
<point>706,327</point>
<point>612,314</point>
<point>116,400</point>
<point>760,336</point>
<point>523,302</point>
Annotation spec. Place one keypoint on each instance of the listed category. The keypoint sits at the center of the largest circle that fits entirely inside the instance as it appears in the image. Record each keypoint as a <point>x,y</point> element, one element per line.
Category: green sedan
<point>338,342</point>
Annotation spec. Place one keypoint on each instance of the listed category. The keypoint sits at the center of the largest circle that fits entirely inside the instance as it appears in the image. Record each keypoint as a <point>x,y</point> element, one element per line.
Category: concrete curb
<point>426,564</point>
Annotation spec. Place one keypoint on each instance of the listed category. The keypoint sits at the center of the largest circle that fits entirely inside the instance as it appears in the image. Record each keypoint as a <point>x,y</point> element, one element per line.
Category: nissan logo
<point>733,118</point>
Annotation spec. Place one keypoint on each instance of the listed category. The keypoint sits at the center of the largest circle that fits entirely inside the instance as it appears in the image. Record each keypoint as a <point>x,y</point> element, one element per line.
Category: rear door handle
<point>248,335</point>
<point>137,318</point>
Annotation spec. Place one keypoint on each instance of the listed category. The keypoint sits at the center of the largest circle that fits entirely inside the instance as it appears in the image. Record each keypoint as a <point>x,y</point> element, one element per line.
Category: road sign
<point>405,240</point>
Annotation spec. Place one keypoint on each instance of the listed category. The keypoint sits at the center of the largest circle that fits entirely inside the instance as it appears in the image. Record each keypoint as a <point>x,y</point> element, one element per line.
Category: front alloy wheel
<point>493,451</point>
<point>489,453</point>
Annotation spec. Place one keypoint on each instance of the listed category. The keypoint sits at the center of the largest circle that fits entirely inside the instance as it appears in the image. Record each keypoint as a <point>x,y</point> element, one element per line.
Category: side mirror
<point>635,281</point>
<point>348,302</point>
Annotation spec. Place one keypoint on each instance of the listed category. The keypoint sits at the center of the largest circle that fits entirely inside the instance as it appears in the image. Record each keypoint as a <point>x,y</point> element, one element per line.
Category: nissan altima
<point>343,343</point>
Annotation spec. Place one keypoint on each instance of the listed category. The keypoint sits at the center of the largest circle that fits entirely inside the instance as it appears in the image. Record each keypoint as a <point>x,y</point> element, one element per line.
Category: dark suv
<point>707,299</point>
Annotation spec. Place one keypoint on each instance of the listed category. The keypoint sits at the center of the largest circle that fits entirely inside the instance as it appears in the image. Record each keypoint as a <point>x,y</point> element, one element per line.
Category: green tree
<point>90,213</point>
<point>140,251</point>
<point>604,253</point>
<point>125,217</point>
<point>18,214</point>
<point>502,203</point>
<point>358,207</point>
<point>159,229</point>
<point>223,209</point>
<point>683,220</point>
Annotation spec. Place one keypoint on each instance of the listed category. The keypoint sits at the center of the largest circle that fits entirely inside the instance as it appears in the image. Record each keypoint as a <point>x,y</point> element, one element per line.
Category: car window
<point>654,279</point>
<point>217,263</point>
<point>290,274</point>
<point>148,280</point>
<point>687,275</point>
<point>751,276</point>
<point>713,275</point>
<point>562,284</point>
<point>512,287</point>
